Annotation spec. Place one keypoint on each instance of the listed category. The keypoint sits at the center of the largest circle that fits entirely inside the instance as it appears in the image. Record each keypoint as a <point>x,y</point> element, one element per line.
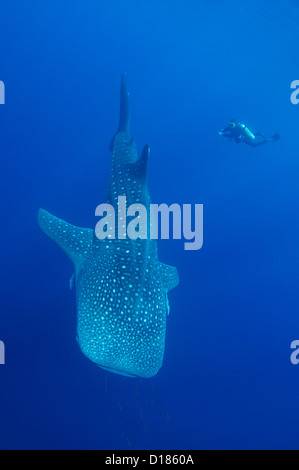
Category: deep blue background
<point>227,380</point>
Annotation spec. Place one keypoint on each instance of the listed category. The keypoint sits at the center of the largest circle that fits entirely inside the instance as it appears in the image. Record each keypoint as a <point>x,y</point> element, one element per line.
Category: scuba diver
<point>241,133</point>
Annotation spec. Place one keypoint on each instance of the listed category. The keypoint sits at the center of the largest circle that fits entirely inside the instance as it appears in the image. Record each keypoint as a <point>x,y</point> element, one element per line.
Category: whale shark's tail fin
<point>124,112</point>
<point>76,242</point>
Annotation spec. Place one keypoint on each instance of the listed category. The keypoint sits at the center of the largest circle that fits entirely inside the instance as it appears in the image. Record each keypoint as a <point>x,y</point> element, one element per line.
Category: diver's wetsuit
<point>241,133</point>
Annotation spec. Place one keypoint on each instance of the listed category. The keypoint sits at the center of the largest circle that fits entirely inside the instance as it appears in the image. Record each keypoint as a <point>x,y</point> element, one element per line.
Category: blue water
<point>227,380</point>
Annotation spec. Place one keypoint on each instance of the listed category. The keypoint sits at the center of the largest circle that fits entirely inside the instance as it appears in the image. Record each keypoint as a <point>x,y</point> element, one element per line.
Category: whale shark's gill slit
<point>121,285</point>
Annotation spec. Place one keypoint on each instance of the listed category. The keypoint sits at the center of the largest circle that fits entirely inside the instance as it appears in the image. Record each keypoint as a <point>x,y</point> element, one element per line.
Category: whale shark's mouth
<point>117,371</point>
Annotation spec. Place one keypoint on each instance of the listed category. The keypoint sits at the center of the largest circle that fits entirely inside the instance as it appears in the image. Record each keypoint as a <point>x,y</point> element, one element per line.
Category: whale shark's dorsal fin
<point>143,161</point>
<point>76,242</point>
<point>139,167</point>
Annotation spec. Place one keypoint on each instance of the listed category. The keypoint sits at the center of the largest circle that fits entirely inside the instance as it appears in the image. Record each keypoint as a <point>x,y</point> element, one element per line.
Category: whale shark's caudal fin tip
<point>124,112</point>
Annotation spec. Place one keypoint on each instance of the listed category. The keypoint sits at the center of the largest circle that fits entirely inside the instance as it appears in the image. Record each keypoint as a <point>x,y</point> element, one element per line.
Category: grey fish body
<point>121,286</point>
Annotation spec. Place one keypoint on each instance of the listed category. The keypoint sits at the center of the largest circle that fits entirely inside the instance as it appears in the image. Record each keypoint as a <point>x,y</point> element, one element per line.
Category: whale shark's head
<point>122,310</point>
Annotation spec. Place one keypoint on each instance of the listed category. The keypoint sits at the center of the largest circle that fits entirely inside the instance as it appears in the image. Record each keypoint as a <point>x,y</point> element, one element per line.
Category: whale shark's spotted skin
<point>121,286</point>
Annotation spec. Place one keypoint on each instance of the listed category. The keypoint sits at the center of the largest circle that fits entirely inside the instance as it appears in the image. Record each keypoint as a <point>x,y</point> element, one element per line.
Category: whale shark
<point>121,286</point>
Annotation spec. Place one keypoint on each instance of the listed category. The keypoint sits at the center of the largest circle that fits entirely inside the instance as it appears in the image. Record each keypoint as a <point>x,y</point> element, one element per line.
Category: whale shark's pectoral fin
<point>168,275</point>
<point>76,242</point>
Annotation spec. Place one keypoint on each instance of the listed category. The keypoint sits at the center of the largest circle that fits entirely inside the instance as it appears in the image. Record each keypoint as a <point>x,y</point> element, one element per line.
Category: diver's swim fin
<point>275,137</point>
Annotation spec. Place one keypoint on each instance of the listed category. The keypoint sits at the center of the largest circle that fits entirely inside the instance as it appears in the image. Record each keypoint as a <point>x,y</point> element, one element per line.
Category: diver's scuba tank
<point>247,133</point>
